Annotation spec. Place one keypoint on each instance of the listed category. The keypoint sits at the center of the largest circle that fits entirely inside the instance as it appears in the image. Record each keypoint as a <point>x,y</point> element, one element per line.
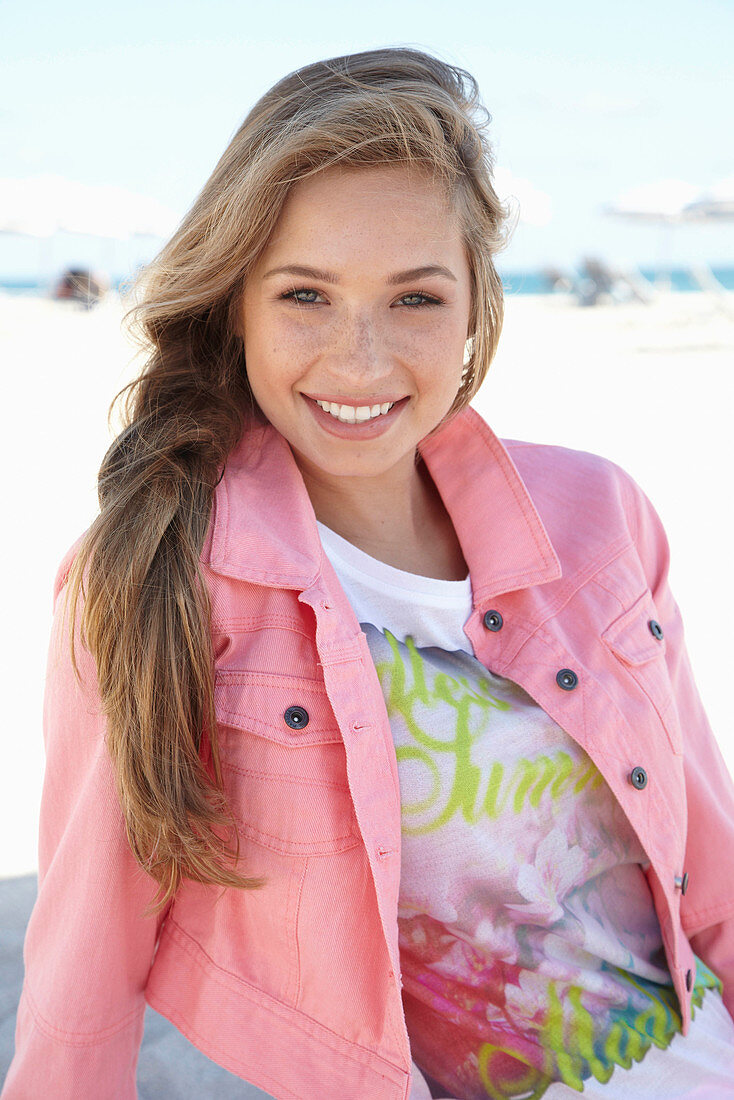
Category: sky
<point>588,100</point>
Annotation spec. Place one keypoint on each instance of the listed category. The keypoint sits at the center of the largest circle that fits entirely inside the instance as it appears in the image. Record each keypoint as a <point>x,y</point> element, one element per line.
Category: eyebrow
<point>392,280</point>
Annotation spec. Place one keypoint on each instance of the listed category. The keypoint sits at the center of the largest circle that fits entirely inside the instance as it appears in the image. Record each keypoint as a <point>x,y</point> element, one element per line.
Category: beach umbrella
<point>664,202</point>
<point>715,203</point>
<point>674,201</point>
<point>670,203</point>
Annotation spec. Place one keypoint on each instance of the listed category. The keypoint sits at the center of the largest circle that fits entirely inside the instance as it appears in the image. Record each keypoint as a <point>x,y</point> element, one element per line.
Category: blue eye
<point>427,300</point>
<point>294,295</point>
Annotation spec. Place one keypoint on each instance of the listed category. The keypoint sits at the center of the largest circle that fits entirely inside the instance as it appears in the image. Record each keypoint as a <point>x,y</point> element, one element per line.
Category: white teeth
<point>350,414</point>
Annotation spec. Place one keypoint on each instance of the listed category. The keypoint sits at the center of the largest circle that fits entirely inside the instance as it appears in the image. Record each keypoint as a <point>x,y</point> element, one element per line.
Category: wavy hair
<point>146,613</point>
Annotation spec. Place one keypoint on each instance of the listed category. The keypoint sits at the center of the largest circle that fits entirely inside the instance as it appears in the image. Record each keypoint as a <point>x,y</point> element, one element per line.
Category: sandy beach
<point>649,386</point>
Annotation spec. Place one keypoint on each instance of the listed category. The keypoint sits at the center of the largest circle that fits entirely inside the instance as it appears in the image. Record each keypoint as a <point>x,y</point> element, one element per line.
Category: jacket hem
<point>260,1039</point>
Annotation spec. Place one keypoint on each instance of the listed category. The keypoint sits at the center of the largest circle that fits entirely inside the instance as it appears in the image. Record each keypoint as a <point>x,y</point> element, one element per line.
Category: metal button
<point>655,628</point>
<point>296,718</point>
<point>567,679</point>
<point>681,883</point>
<point>493,620</point>
<point>689,980</point>
<point>638,778</point>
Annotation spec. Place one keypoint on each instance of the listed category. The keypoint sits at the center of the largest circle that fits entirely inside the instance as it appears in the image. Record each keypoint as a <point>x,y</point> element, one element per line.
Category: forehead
<point>394,206</point>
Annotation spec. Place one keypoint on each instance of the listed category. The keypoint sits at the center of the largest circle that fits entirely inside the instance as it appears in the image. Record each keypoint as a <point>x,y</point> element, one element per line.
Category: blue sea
<point>514,282</point>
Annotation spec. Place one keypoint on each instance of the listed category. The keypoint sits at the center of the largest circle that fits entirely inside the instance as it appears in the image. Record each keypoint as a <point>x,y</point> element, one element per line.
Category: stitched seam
<point>197,1038</point>
<point>296,780</point>
<point>663,711</point>
<point>306,845</point>
<point>626,484</point>
<point>261,729</point>
<point>235,720</point>
<point>350,648</point>
<point>498,453</point>
<point>632,619</point>
<point>249,623</point>
<point>72,1038</point>
<point>242,677</point>
<point>696,922</point>
<point>296,581</point>
<point>609,591</point>
<point>566,594</point>
<point>267,1001</point>
<point>500,579</point>
<point>551,642</point>
<point>296,937</point>
<point>576,582</point>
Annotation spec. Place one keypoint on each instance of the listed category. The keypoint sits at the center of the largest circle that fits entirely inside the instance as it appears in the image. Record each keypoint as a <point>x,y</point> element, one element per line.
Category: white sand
<point>650,387</point>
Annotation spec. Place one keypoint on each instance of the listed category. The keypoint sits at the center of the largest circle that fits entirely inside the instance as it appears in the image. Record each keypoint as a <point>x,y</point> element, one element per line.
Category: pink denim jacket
<point>297,987</point>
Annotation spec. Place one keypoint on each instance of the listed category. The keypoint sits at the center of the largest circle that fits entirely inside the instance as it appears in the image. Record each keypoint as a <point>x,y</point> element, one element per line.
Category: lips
<point>347,424</point>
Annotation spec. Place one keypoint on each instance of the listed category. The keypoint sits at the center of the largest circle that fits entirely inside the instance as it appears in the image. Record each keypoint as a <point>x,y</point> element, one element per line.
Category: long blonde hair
<point>146,608</point>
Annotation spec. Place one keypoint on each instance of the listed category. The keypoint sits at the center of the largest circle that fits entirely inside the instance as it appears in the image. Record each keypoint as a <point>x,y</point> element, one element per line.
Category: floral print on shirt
<point>530,948</point>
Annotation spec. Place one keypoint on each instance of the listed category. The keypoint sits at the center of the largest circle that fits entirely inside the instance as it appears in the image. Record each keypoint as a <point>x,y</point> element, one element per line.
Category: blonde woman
<point>377,764</point>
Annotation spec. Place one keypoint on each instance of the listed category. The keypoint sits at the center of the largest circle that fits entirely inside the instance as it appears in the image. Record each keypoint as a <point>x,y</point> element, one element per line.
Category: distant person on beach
<point>377,764</point>
<point>78,284</point>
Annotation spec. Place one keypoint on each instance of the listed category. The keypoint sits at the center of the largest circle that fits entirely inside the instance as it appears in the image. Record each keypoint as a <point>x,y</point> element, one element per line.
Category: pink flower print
<point>497,937</point>
<point>546,882</point>
<point>526,1003</point>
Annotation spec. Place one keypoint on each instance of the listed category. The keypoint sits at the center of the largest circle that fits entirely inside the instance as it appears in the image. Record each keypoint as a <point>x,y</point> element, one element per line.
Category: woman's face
<point>355,320</point>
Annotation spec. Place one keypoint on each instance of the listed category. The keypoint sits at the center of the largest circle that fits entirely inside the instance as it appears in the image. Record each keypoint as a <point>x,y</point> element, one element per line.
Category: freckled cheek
<point>298,343</point>
<point>278,357</point>
<point>432,349</point>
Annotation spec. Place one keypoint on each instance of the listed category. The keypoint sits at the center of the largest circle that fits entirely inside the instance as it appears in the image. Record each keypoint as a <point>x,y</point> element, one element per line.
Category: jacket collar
<point>263,527</point>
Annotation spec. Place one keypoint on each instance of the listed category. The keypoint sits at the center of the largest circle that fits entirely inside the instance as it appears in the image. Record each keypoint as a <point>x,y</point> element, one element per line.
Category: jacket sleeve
<point>88,949</point>
<point>707,910</point>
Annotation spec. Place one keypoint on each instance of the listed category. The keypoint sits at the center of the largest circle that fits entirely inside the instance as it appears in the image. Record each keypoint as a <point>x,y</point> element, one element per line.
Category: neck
<point>398,518</point>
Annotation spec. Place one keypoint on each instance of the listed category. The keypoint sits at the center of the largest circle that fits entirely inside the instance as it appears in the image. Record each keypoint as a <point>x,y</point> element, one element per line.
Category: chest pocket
<point>633,641</point>
<point>284,763</point>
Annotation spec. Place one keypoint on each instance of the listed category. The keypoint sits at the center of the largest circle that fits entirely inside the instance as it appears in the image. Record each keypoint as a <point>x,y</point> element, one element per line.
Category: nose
<point>359,353</point>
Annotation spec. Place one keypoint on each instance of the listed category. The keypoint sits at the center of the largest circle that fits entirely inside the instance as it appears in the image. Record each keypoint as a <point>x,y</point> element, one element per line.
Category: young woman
<point>377,765</point>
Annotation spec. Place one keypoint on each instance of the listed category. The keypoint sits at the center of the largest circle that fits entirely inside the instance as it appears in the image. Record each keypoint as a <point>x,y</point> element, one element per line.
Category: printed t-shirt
<point>530,949</point>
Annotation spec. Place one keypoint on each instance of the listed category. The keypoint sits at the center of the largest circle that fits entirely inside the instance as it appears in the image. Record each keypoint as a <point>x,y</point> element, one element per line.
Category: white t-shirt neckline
<point>432,611</point>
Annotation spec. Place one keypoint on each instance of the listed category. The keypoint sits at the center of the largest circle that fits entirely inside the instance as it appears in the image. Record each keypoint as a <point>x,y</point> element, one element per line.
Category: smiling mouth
<point>351,414</point>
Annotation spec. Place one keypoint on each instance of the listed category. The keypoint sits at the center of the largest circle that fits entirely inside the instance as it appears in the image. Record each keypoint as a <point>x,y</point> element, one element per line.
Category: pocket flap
<point>630,636</point>
<point>258,702</point>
